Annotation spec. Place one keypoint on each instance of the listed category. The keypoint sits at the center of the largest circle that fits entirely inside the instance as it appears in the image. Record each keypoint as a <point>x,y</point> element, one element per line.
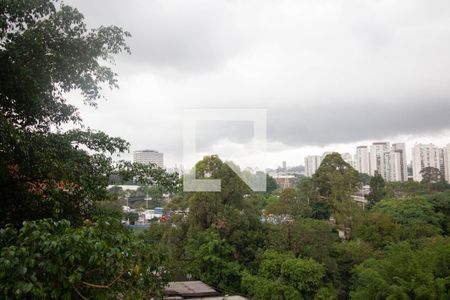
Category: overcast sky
<point>332,74</point>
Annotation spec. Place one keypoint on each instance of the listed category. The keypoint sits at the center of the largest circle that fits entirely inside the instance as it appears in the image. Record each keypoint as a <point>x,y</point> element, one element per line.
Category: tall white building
<point>377,158</point>
<point>312,163</point>
<point>362,160</point>
<point>424,155</point>
<point>149,156</point>
<point>446,155</point>
<point>347,157</point>
<point>392,164</point>
<point>400,148</point>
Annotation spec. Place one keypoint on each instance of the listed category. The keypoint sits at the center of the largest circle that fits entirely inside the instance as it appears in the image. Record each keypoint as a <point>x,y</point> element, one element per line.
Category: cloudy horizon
<point>331,74</point>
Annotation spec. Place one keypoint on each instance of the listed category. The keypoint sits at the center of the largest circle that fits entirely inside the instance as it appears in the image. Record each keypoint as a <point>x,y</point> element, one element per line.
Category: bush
<point>101,260</point>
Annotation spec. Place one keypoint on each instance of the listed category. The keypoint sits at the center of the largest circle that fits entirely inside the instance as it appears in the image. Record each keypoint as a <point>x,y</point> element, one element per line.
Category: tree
<point>232,213</point>
<point>377,188</point>
<point>289,203</point>
<point>282,276</point>
<point>430,175</point>
<point>306,238</point>
<point>319,206</point>
<point>132,217</point>
<point>405,273</point>
<point>47,51</point>
<point>379,230</point>
<point>348,254</point>
<point>364,179</point>
<point>335,179</point>
<point>271,184</point>
<point>211,260</point>
<point>415,215</point>
<point>101,260</point>
<point>441,205</point>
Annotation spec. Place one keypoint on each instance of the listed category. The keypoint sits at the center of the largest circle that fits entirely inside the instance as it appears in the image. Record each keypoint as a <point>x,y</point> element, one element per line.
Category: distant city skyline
<point>296,156</point>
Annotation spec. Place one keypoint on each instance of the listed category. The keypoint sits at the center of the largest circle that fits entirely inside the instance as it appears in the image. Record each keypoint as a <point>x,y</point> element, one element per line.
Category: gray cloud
<point>328,71</point>
<point>323,125</point>
<point>170,35</point>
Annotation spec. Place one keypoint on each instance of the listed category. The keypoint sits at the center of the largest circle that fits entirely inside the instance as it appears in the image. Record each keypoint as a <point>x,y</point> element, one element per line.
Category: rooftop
<point>194,290</point>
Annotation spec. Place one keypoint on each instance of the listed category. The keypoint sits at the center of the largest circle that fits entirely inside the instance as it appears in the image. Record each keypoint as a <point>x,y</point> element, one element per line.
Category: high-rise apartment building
<point>347,157</point>
<point>312,163</point>
<point>149,156</point>
<point>446,154</point>
<point>392,165</point>
<point>400,148</point>
<point>377,158</point>
<point>425,155</point>
<point>362,160</point>
<point>441,161</point>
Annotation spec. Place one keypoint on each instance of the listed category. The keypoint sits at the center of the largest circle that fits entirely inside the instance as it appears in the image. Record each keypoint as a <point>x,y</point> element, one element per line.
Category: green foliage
<point>46,51</point>
<point>305,237</point>
<point>326,293</point>
<point>348,254</point>
<point>303,274</point>
<point>131,216</point>
<point>101,260</point>
<point>379,230</point>
<point>288,203</point>
<point>271,184</point>
<point>413,188</point>
<point>430,175</point>
<point>415,214</point>
<point>232,213</point>
<point>282,276</point>
<point>364,179</point>
<point>212,261</point>
<point>348,215</point>
<point>377,188</point>
<point>441,205</point>
<point>335,179</point>
<point>405,273</point>
<point>257,287</point>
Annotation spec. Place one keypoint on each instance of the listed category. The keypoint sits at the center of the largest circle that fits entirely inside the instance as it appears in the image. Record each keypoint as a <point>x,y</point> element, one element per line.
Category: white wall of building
<point>149,156</point>
<point>401,149</point>
<point>447,163</point>
<point>312,163</point>
<point>424,155</point>
<point>377,151</point>
<point>362,160</point>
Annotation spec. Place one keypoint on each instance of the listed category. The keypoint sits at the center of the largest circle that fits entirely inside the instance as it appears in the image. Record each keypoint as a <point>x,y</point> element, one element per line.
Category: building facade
<point>446,154</point>
<point>312,163</point>
<point>424,155</point>
<point>400,148</point>
<point>148,157</point>
<point>392,166</point>
<point>347,157</point>
<point>377,158</point>
<point>362,160</point>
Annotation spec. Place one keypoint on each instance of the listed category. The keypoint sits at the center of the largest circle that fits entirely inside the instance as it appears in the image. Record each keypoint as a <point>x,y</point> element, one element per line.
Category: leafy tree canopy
<point>282,276</point>
<point>406,273</point>
<point>335,179</point>
<point>46,51</point>
<point>44,260</point>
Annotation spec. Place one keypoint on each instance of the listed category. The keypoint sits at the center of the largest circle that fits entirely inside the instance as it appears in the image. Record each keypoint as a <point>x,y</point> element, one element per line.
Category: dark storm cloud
<point>327,124</point>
